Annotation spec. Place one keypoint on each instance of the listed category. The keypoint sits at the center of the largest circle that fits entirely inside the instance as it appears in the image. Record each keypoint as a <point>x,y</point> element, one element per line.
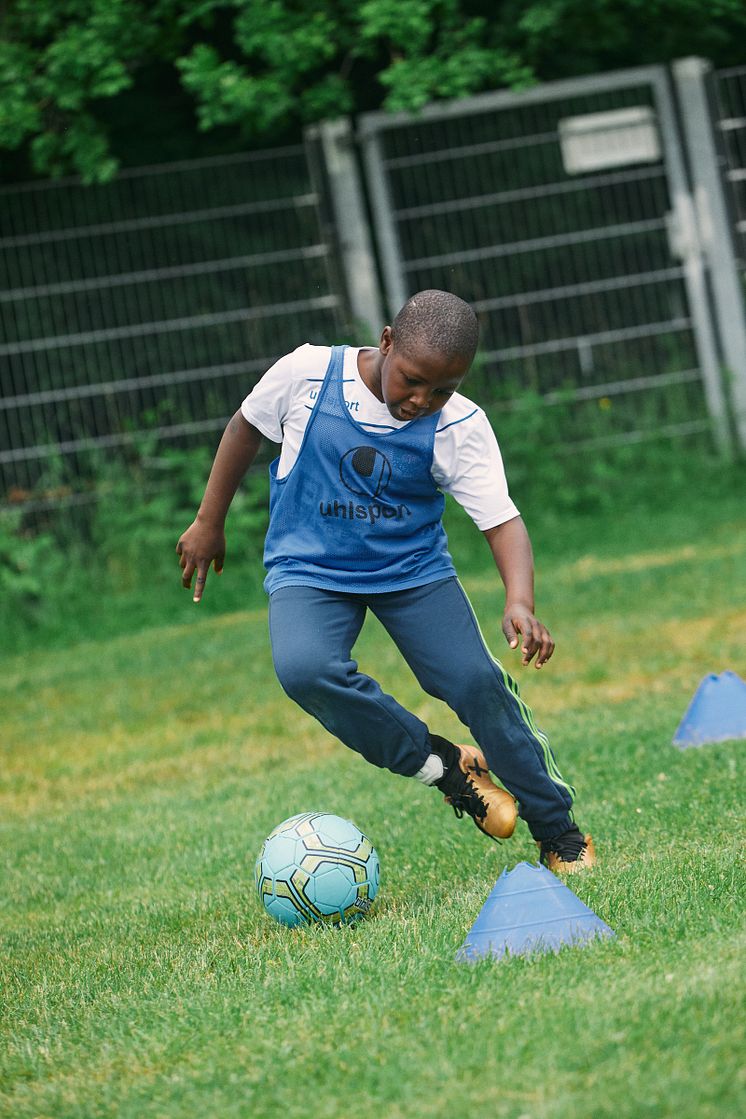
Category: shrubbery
<point>108,565</point>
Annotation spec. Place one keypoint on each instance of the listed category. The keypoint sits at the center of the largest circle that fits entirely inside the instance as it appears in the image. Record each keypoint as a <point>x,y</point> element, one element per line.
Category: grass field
<point>139,776</point>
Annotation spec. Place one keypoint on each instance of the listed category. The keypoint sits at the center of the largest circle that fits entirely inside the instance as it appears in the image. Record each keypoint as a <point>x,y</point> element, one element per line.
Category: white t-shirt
<point>466,459</point>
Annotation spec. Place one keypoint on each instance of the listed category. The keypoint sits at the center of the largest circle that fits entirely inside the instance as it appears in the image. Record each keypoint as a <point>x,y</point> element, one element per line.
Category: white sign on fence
<point>596,141</point>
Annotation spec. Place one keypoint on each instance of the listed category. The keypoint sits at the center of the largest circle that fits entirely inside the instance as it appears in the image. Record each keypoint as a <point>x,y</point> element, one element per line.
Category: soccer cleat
<point>468,788</point>
<point>567,853</point>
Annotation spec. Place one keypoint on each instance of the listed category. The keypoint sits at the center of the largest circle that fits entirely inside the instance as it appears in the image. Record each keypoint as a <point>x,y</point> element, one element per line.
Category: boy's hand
<point>537,640</point>
<point>199,547</point>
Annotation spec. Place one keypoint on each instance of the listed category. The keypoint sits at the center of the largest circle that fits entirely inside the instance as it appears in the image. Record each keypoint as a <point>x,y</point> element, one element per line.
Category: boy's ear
<point>387,340</point>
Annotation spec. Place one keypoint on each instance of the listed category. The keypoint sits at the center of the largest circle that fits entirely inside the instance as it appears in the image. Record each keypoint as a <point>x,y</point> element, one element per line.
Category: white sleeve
<point>468,465</point>
<point>268,403</point>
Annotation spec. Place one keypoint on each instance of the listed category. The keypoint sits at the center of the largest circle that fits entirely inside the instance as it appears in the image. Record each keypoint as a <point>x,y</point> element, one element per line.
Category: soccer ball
<point>317,867</point>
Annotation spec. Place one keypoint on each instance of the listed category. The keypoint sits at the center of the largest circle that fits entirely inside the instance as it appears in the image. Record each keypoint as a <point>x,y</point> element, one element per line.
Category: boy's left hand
<point>519,622</point>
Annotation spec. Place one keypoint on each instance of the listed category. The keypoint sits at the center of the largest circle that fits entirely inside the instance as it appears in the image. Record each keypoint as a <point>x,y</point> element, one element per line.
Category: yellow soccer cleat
<point>469,789</point>
<point>567,853</point>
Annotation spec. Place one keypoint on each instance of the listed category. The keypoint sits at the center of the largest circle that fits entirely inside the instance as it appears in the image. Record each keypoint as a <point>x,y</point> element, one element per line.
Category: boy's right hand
<point>198,547</point>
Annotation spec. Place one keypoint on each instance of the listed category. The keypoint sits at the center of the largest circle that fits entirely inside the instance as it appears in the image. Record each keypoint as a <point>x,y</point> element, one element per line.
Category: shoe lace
<point>569,846</point>
<point>467,799</point>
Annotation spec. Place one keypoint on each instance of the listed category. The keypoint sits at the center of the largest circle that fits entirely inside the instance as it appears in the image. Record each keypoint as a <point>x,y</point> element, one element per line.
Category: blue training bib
<point>358,512</point>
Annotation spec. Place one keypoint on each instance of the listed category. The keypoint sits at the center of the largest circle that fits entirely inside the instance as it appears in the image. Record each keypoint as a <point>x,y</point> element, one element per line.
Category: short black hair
<point>436,320</point>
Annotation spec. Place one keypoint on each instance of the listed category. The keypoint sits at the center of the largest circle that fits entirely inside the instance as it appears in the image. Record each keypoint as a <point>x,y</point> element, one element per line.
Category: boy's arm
<point>203,542</point>
<point>511,550</point>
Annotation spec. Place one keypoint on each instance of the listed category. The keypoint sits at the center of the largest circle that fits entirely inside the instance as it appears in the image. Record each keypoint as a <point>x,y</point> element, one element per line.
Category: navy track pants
<point>313,632</point>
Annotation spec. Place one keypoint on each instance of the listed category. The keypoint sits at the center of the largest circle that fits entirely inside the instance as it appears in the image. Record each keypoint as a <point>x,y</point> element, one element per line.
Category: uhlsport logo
<point>364,472</point>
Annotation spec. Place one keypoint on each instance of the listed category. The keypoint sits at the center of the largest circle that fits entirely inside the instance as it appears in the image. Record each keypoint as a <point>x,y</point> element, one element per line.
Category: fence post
<point>686,246</point>
<point>383,214</point>
<point>716,232</point>
<point>352,226</point>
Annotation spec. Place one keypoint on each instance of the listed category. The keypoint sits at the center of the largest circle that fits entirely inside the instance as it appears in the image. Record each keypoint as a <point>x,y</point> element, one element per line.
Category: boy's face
<point>417,386</point>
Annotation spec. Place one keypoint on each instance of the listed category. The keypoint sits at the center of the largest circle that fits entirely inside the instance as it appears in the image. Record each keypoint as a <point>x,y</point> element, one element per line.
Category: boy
<point>370,440</point>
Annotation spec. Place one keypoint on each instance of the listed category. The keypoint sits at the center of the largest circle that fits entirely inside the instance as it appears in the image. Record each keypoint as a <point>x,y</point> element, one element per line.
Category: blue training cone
<point>529,910</point>
<point>717,712</point>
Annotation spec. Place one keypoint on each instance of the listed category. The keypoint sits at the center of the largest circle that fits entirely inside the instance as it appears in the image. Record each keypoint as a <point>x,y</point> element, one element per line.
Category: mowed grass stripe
<point>116,731</point>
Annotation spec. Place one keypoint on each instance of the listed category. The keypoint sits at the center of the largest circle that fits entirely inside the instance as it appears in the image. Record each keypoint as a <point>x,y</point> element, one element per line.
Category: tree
<point>61,61</point>
<point>261,67</point>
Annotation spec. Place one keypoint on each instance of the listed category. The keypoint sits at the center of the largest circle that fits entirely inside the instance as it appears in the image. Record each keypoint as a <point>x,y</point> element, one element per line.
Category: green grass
<point>138,777</point>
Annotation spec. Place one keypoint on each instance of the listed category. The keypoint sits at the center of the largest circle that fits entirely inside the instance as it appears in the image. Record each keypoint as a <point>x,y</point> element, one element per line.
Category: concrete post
<point>715,228</point>
<point>358,259</point>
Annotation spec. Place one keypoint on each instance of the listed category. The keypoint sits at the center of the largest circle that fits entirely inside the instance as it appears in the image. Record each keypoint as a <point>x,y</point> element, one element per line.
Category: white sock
<point>432,770</point>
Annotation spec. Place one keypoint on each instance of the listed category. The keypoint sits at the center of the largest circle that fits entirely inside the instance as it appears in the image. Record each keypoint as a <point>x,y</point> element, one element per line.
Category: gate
<point>563,215</point>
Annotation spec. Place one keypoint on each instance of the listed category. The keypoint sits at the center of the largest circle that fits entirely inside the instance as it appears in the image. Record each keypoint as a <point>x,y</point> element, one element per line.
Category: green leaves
<point>57,62</point>
<point>20,113</point>
<point>283,36</point>
<point>81,145</point>
<point>282,77</point>
<point>258,66</point>
<point>81,65</point>
<point>406,26</point>
<point>263,67</point>
<point>224,92</point>
<point>457,64</point>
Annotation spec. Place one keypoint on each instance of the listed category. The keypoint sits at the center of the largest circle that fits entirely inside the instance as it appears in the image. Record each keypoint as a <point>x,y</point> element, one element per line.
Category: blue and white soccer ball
<point>317,867</point>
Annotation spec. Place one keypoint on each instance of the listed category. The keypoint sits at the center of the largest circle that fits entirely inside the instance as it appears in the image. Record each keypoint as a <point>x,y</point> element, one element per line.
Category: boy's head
<point>436,322</point>
<point>426,353</point>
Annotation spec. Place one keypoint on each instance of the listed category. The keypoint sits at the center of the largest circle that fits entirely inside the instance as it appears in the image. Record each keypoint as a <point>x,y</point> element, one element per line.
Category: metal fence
<point>560,214</point>
<point>151,303</point>
<point>584,221</point>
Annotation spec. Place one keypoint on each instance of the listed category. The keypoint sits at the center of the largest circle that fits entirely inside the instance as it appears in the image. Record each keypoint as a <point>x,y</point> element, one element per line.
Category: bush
<point>108,566</point>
